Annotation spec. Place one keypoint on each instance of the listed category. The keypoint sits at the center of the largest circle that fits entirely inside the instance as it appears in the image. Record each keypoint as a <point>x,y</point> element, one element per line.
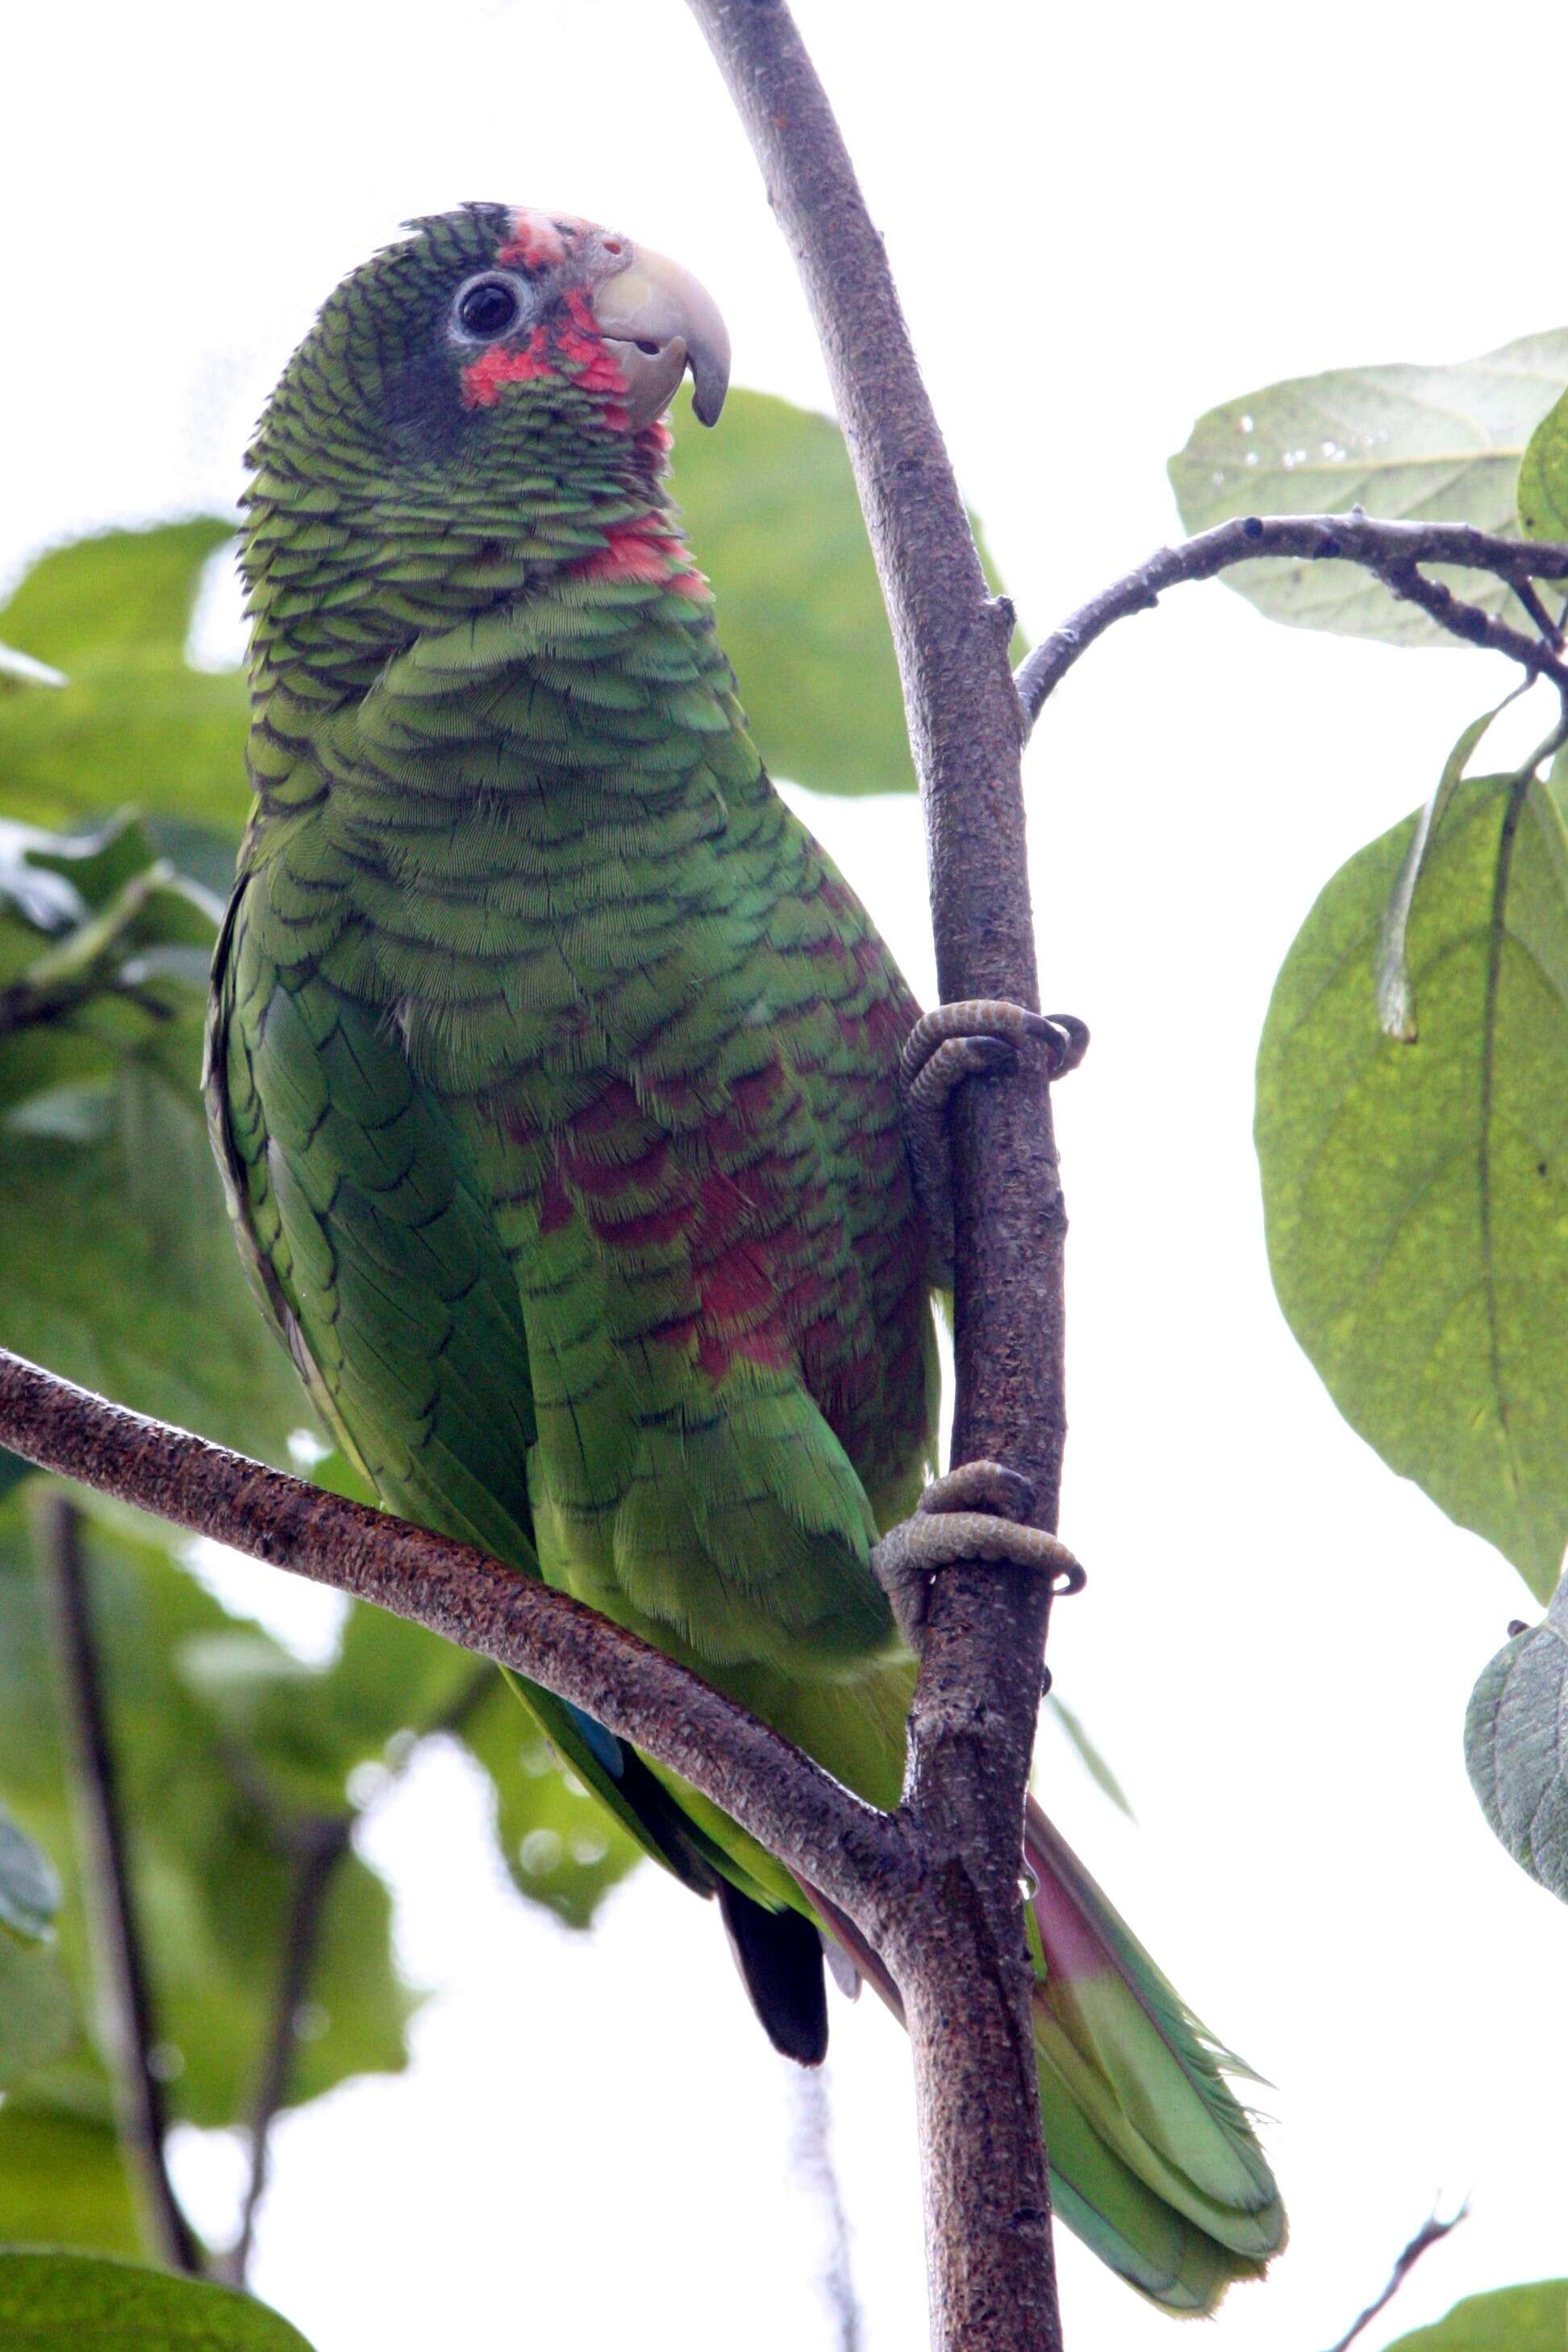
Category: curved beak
<point>664,322</point>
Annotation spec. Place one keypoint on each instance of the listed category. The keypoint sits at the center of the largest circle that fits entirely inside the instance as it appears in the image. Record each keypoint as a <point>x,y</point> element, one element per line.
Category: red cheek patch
<point>482,378</point>
<point>582,344</point>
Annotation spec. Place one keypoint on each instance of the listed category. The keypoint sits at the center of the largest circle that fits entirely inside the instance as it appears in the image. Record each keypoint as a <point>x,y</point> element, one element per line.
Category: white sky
<point>1104,220</point>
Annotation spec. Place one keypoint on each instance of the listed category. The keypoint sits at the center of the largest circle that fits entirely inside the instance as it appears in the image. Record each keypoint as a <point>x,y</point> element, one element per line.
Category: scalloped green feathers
<point>554,1076</point>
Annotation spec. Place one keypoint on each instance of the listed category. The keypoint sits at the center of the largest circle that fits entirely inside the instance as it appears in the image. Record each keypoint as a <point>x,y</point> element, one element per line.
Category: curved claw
<point>970,1039</point>
<point>1075,1040</point>
<point>993,1020</point>
<point>949,1538</point>
<point>981,1486</point>
<point>971,1514</point>
<point>955,1059</point>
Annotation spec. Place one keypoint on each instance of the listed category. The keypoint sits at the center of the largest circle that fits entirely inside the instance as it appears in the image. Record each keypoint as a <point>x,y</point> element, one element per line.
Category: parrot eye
<point>487,307</point>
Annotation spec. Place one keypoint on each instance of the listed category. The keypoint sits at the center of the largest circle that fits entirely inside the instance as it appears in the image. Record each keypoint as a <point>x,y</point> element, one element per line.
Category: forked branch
<point>1396,552</point>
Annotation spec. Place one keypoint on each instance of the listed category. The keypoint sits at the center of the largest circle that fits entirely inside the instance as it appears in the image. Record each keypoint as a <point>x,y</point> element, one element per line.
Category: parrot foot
<point>956,1042</point>
<point>975,1512</point>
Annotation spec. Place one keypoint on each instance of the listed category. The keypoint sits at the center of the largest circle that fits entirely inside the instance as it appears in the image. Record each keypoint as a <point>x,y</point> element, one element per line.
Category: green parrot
<point>554,1077</point>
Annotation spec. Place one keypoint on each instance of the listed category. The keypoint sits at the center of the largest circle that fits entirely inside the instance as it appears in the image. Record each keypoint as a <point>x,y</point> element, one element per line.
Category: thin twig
<point>1392,551</point>
<point>313,1848</point>
<point>815,2166</point>
<point>120,1966</point>
<point>1427,2236</point>
<point>319,1846</point>
<point>863,1860</point>
<point>1530,597</point>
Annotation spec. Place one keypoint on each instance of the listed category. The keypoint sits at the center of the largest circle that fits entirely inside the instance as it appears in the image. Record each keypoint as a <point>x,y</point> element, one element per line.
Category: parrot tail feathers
<point>779,1955</point>
<point>1154,2160</point>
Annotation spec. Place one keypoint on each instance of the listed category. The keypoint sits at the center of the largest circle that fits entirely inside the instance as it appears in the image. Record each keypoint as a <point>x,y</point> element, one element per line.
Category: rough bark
<point>961,1959</point>
<point>861,1859</point>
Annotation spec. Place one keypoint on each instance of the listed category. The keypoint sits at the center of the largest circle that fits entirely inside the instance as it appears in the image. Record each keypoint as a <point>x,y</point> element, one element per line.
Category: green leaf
<point>13,1470</point>
<point>100,941</point>
<point>1430,444</point>
<point>133,721</point>
<point>560,1847</point>
<point>1543,477</point>
<point>1395,997</point>
<point>1515,1729</point>
<point>82,2303</point>
<point>29,1887</point>
<point>117,1266</point>
<point>770,506</point>
<point>1510,2319</point>
<point>63,2183</point>
<point>123,591</point>
<point>1416,1194</point>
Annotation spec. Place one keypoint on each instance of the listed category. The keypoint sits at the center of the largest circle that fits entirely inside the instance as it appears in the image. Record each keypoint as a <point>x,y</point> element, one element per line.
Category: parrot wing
<point>376,1262</point>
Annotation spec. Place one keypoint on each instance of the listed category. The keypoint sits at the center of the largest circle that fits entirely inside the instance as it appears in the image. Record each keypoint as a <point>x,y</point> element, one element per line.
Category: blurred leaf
<point>1511,2319</point>
<point>389,1677</point>
<point>1514,1744</point>
<point>119,591</point>
<point>389,1682</point>
<point>199,853</point>
<point>29,1887</point>
<point>773,521</point>
<point>98,936</point>
<point>1089,1755</point>
<point>560,1846</point>
<point>63,2183</point>
<point>134,722</point>
<point>79,2302</point>
<point>38,2016</point>
<point>117,1266</point>
<point>209,1814</point>
<point>1430,444</point>
<point>1416,1194</point>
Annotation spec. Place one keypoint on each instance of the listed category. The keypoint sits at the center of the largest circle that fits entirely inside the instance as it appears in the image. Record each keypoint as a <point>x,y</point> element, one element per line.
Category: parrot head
<point>476,408</point>
<point>489,330</point>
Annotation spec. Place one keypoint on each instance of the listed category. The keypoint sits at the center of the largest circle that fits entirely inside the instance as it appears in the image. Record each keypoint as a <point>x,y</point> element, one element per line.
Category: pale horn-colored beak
<point>661,322</point>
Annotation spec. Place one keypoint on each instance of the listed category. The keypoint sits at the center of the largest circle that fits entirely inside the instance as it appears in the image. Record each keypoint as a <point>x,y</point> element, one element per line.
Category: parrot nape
<point>553,1074</point>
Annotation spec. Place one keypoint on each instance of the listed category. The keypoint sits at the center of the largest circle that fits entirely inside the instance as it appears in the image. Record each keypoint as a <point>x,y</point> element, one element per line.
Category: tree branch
<point>313,1846</point>
<point>960,1958</point>
<point>319,1844</point>
<point>817,2171</point>
<point>116,1943</point>
<point>861,1859</point>
<point>1392,551</point>
<point>1427,2236</point>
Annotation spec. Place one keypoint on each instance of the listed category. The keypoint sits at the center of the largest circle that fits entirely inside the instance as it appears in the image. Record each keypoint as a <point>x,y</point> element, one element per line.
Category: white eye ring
<point>469,297</point>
